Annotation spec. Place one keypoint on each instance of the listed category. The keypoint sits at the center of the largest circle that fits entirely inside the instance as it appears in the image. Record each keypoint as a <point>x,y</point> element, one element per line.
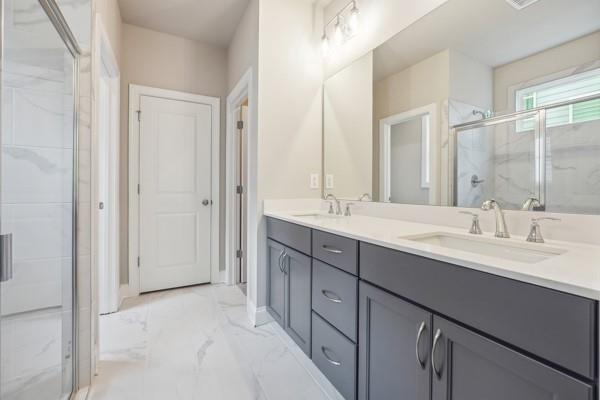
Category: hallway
<point>197,343</point>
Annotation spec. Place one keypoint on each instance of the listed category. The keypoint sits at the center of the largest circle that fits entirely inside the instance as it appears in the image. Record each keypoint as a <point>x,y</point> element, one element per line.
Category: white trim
<point>430,132</point>
<point>104,61</point>
<point>135,92</point>
<point>258,315</point>
<point>243,89</point>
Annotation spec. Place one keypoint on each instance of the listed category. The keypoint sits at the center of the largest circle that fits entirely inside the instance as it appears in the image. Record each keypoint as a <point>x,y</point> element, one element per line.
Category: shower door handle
<point>6,257</point>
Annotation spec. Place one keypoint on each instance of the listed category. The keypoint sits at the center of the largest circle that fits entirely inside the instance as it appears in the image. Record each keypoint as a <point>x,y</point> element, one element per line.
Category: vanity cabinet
<point>276,281</point>
<point>384,324</point>
<point>394,350</point>
<point>289,278</point>
<point>467,366</point>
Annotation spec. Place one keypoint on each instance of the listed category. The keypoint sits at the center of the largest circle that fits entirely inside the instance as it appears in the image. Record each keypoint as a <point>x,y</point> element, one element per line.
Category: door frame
<point>104,59</point>
<point>245,88</point>
<point>135,94</point>
<point>385,130</point>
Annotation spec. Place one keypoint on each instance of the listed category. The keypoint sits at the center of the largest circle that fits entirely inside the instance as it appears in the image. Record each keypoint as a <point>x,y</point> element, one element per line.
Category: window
<point>559,90</point>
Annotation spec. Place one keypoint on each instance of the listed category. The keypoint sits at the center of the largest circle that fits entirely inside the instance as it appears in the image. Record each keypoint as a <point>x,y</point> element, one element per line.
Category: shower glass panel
<point>573,158</point>
<point>37,207</point>
<point>497,159</point>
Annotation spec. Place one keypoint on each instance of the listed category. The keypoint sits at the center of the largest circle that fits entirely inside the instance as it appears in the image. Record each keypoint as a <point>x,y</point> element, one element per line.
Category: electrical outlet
<point>329,181</point>
<point>314,181</point>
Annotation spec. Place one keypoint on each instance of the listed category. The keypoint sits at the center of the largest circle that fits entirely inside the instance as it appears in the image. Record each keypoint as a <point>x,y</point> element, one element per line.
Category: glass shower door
<point>36,206</point>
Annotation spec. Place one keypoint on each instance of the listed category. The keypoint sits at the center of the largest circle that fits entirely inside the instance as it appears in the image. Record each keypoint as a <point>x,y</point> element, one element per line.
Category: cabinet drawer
<point>335,356</point>
<point>336,250</point>
<point>334,297</point>
<point>556,326</point>
<point>295,236</point>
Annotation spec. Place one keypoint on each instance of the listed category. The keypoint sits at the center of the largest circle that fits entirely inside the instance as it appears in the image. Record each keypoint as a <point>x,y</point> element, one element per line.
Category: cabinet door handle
<point>330,249</point>
<point>331,361</point>
<point>329,295</point>
<point>279,261</point>
<point>285,255</point>
<point>6,257</point>
<point>422,329</point>
<point>436,339</point>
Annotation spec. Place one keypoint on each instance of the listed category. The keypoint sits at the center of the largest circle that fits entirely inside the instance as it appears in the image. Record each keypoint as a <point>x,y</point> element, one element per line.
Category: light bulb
<point>325,45</point>
<point>353,20</point>
<point>338,34</point>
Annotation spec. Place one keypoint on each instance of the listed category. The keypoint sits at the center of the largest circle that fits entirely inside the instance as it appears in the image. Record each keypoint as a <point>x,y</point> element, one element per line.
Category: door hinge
<point>139,113</point>
<point>138,261</point>
<point>240,125</point>
<point>239,189</point>
<point>138,188</point>
<point>239,254</point>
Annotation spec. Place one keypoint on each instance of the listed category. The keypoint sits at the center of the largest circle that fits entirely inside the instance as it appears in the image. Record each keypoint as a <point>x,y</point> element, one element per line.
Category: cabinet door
<point>276,281</point>
<point>467,366</point>
<point>394,343</point>
<point>298,270</point>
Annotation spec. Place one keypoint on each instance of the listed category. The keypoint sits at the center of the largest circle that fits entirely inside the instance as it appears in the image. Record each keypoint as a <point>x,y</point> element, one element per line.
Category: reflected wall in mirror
<point>476,100</point>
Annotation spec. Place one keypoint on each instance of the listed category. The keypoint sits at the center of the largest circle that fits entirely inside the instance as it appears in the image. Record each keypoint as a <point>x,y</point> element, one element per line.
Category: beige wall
<point>574,54</point>
<point>290,76</point>
<point>243,49</point>
<point>348,129</point>
<point>111,19</point>
<point>164,61</point>
<point>418,85</point>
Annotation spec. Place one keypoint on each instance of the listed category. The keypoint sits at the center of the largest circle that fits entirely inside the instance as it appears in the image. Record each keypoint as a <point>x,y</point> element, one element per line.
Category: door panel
<point>298,269</point>
<point>175,177</point>
<point>388,331</point>
<point>276,284</point>
<point>471,367</point>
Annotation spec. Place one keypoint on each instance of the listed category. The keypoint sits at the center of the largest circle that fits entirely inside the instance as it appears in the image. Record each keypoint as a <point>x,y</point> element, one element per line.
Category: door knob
<point>205,202</point>
<point>101,205</point>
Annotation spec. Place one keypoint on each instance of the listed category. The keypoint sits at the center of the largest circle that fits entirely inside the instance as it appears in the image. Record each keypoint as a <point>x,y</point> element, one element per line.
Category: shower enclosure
<point>549,154</point>
<point>37,202</point>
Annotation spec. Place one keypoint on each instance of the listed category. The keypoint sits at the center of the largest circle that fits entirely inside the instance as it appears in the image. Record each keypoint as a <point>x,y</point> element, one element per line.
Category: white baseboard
<point>81,394</point>
<point>124,292</point>
<point>258,316</point>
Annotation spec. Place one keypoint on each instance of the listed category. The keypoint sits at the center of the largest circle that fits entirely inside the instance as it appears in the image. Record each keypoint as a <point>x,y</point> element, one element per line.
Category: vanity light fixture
<point>345,25</point>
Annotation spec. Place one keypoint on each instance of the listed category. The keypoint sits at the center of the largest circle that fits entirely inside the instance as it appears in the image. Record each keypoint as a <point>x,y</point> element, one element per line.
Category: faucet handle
<point>331,207</point>
<point>347,213</point>
<point>535,232</point>
<point>475,227</point>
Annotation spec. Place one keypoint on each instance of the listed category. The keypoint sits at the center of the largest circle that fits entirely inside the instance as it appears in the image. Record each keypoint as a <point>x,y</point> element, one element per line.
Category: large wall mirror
<point>476,100</point>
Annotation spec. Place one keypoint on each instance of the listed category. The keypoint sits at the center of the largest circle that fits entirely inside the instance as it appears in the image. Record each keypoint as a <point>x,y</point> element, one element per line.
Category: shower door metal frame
<point>57,19</point>
<point>538,113</point>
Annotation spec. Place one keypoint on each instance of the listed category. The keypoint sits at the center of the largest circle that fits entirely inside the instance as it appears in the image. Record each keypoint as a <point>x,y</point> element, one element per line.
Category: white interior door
<point>175,193</point>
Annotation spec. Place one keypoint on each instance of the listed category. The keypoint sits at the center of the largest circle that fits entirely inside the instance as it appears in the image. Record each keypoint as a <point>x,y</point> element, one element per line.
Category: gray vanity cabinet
<point>468,366</point>
<point>276,281</point>
<point>297,268</point>
<point>395,341</point>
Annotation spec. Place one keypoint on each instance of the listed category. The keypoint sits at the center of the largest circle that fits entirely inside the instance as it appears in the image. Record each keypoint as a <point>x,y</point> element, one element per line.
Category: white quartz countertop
<point>577,271</point>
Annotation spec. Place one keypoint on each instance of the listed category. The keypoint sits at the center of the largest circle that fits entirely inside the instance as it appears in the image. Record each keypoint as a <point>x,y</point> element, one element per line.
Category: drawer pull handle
<point>422,329</point>
<point>436,339</point>
<point>324,350</point>
<point>329,295</point>
<point>331,249</point>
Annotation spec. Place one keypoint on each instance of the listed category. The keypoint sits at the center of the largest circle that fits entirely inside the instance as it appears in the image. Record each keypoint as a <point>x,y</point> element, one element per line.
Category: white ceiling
<point>490,31</point>
<point>208,21</point>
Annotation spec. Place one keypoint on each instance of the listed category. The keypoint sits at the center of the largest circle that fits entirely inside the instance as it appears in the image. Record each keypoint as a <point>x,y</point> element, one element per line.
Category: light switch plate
<point>314,181</point>
<point>329,181</point>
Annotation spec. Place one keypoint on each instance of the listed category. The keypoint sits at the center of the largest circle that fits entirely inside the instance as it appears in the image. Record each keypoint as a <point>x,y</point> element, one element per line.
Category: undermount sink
<point>525,252</point>
<point>317,216</point>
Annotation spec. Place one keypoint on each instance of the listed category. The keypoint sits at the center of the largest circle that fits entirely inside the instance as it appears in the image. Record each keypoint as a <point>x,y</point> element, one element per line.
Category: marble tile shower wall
<point>573,168</point>
<point>473,149</point>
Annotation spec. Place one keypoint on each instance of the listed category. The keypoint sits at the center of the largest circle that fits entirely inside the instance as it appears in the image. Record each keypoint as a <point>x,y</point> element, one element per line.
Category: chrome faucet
<point>531,204</point>
<point>338,205</point>
<point>535,232</point>
<point>501,229</point>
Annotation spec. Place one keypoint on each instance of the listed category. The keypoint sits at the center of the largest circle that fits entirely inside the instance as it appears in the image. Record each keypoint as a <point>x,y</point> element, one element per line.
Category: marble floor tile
<point>198,343</point>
